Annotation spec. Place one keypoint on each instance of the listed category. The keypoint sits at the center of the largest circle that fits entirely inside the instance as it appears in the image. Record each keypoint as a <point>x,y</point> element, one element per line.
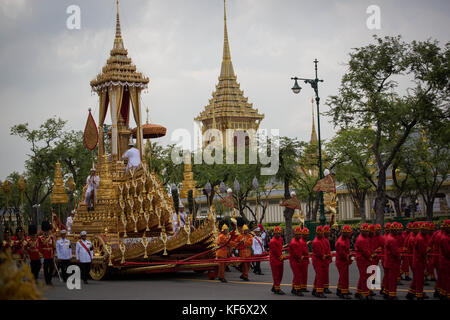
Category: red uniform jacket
<point>223,241</point>
<point>318,252</point>
<point>245,248</point>
<point>327,246</point>
<point>419,250</point>
<point>295,251</point>
<point>363,249</point>
<point>304,251</point>
<point>392,252</point>
<point>18,250</point>
<point>33,249</point>
<point>276,251</point>
<point>378,245</point>
<point>409,245</point>
<point>47,245</point>
<point>444,251</point>
<point>343,252</point>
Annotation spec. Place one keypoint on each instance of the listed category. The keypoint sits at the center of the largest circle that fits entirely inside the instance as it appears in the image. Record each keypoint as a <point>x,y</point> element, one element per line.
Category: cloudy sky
<point>45,68</point>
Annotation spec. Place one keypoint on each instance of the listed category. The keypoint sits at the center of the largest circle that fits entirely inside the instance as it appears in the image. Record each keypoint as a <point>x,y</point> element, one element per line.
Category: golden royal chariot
<point>131,224</point>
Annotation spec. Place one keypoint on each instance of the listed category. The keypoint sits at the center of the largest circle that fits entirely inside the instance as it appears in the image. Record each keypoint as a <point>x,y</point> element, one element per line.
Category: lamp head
<point>296,88</point>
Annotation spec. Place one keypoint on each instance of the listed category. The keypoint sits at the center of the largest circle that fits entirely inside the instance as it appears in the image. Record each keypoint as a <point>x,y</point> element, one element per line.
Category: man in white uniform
<point>84,253</point>
<point>64,254</point>
<point>92,182</point>
<point>258,248</point>
<point>69,221</point>
<point>134,157</point>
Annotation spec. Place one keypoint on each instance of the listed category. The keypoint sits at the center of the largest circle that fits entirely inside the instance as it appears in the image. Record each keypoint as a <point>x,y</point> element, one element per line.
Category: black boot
<point>407,278</point>
<point>358,296</point>
<point>346,296</point>
<point>410,296</point>
<point>338,292</point>
<point>279,292</point>
<point>327,291</point>
<point>223,280</point>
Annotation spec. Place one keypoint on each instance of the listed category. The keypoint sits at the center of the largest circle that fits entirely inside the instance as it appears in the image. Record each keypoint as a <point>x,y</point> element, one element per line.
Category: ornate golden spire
<point>227,65</point>
<point>119,67</point>
<point>118,42</point>
<point>228,108</point>
<point>313,132</point>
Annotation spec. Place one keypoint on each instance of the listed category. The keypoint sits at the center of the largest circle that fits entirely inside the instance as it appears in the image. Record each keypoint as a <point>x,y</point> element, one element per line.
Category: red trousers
<point>363,276</point>
<point>221,271</point>
<point>245,267</point>
<point>277,274</point>
<point>392,274</point>
<point>343,277</point>
<point>431,265</point>
<point>416,286</point>
<point>444,279</point>
<point>326,281</point>
<point>406,262</point>
<point>304,275</point>
<point>319,279</point>
<point>296,270</point>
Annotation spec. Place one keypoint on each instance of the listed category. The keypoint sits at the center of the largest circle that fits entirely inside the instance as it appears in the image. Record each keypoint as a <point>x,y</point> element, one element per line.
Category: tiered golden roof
<point>228,108</point>
<point>119,68</point>
<point>188,182</point>
<point>59,195</point>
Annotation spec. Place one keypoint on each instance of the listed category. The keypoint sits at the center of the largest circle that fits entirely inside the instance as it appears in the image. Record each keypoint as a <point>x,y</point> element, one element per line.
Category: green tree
<point>289,151</point>
<point>369,96</point>
<point>40,165</point>
<point>352,164</point>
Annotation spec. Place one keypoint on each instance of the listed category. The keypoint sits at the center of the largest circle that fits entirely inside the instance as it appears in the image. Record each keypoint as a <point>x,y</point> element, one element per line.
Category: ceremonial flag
<point>292,203</point>
<point>90,136</point>
<point>325,185</point>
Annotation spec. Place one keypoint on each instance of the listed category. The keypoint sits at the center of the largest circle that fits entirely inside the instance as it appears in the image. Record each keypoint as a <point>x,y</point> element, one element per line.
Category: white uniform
<point>258,245</point>
<point>69,222</point>
<point>92,183</point>
<point>63,250</point>
<point>81,253</point>
<point>134,158</point>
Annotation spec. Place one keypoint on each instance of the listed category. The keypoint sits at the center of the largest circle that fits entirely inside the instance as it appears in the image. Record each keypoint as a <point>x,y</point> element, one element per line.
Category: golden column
<point>59,195</point>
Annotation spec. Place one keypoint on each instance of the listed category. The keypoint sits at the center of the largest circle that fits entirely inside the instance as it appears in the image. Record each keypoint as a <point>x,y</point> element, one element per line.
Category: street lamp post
<point>315,85</point>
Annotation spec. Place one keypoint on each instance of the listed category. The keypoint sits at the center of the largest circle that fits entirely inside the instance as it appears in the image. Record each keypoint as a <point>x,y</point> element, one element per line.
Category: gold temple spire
<point>227,66</point>
<point>118,42</point>
<point>313,132</point>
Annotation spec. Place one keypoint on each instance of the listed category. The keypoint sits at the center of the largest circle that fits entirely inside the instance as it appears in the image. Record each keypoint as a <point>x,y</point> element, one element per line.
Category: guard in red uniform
<point>444,261</point>
<point>18,245</point>
<point>245,242</point>
<point>378,244</point>
<point>34,251</point>
<point>6,242</point>
<point>435,243</point>
<point>319,261</point>
<point>383,291</point>
<point>295,259</point>
<point>418,263</point>
<point>406,258</point>
<point>47,245</point>
<point>326,242</point>
<point>363,261</point>
<point>304,241</point>
<point>429,269</point>
<point>343,261</point>
<point>392,260</point>
<point>276,260</point>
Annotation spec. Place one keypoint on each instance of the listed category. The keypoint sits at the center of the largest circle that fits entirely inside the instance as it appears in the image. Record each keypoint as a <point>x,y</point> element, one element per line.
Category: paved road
<point>190,285</point>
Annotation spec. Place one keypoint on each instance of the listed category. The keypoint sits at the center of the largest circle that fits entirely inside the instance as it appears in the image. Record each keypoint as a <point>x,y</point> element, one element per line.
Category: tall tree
<point>369,96</point>
<point>289,150</point>
<point>352,164</point>
<point>40,165</point>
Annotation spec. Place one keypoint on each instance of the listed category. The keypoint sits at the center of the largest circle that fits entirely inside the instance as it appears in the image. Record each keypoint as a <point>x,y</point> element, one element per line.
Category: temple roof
<point>119,69</point>
<point>228,100</point>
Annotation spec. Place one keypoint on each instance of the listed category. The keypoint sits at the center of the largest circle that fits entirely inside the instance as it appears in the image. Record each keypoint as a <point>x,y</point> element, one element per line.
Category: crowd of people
<point>42,250</point>
<point>422,248</point>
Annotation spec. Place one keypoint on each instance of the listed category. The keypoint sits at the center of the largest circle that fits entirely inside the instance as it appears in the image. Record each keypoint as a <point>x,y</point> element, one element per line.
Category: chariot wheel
<point>99,266</point>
